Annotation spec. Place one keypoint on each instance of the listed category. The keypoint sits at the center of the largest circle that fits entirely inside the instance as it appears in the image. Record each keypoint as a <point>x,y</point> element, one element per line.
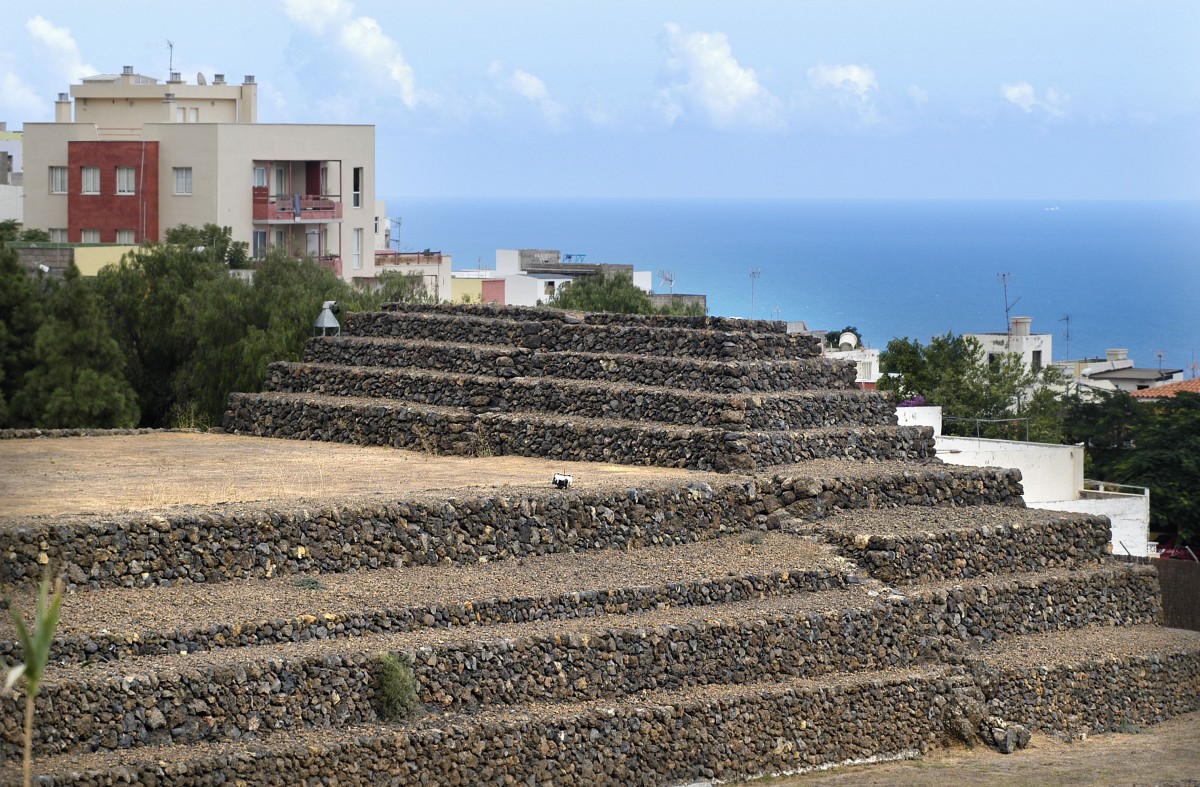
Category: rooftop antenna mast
<point>668,278</point>
<point>1004,279</point>
<point>754,274</point>
<point>170,56</point>
<point>1066,319</point>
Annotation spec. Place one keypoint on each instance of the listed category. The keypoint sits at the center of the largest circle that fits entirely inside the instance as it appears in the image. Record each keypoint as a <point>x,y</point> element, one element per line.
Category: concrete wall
<point>921,416</point>
<point>12,203</point>
<point>1129,515</point>
<point>466,290</point>
<point>1048,472</point>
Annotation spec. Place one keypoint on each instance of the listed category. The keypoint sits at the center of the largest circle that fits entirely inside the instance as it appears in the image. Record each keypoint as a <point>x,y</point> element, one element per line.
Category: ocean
<point>1094,274</point>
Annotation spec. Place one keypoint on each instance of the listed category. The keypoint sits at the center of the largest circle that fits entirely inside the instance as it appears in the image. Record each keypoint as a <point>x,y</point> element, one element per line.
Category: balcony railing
<point>329,262</point>
<point>295,208</point>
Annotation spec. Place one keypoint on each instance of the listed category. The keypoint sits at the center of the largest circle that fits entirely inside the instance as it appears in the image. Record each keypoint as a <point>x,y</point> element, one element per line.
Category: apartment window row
<point>89,180</point>
<point>124,237</point>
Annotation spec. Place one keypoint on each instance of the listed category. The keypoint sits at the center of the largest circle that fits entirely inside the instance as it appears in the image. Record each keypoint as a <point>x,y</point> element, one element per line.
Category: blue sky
<point>655,98</point>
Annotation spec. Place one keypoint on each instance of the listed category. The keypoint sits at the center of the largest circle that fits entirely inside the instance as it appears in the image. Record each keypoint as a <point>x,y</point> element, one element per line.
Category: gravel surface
<point>1087,644</point>
<point>160,470</point>
<point>241,601</point>
<point>912,519</point>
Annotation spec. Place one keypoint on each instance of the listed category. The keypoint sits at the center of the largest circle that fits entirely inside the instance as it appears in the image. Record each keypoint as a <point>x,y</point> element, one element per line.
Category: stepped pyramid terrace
<point>754,570</point>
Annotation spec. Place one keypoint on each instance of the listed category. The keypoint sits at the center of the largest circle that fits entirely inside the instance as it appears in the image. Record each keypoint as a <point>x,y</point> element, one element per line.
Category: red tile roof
<point>1168,390</point>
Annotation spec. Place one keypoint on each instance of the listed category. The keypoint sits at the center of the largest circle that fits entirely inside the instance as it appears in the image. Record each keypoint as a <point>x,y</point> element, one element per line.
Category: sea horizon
<point>1121,270</point>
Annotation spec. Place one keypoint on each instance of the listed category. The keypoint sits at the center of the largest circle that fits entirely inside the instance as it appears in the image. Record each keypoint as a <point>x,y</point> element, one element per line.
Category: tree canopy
<point>949,372</point>
<point>610,293</point>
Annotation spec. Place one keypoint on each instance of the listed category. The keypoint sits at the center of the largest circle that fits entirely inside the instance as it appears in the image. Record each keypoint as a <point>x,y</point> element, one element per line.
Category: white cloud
<point>526,85</point>
<point>63,51</point>
<point>919,95</point>
<point>704,78</point>
<point>365,39</point>
<point>19,101</point>
<point>360,37</point>
<point>1024,96</point>
<point>317,15</point>
<point>854,87</point>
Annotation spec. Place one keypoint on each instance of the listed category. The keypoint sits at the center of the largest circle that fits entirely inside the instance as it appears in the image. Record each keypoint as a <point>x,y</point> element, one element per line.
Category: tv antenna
<point>1066,319</point>
<point>667,278</point>
<point>754,274</point>
<point>1159,355</point>
<point>574,257</point>
<point>171,55</point>
<point>1004,279</point>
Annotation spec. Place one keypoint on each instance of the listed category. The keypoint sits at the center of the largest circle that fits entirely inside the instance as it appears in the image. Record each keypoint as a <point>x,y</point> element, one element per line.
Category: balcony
<point>295,208</point>
<point>331,263</point>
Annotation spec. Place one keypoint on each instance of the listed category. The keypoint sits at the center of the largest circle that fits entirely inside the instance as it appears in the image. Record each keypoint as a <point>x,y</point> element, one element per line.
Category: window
<point>358,246</point>
<point>125,181</point>
<point>183,180</point>
<point>260,177</point>
<point>91,180</point>
<point>1037,360</point>
<point>180,115</point>
<point>324,180</point>
<point>280,181</point>
<point>358,187</point>
<point>90,236</point>
<point>259,246</point>
<point>126,237</point>
<point>194,115</point>
<point>58,236</point>
<point>58,180</point>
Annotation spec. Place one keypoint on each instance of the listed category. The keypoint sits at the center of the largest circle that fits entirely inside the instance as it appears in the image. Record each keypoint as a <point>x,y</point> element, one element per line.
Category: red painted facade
<point>108,211</point>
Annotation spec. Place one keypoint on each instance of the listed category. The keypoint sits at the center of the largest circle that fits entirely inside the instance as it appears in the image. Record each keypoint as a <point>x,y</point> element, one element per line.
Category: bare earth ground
<point>114,474</point>
<point>1167,753</point>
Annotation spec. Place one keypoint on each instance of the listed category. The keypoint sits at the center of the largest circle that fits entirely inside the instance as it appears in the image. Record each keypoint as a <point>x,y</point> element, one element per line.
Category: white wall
<point>12,201</point>
<point>921,416</point>
<point>643,280</point>
<point>1048,472</point>
<point>1129,515</point>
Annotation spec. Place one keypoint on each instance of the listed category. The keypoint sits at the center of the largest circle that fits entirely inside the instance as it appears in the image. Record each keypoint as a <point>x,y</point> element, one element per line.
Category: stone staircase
<point>859,603</point>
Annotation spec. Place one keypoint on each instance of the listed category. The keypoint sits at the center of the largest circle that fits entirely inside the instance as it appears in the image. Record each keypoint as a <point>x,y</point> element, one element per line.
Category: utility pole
<point>754,274</point>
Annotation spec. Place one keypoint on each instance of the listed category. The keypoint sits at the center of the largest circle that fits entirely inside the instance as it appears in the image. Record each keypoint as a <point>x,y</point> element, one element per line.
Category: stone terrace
<point>840,596</point>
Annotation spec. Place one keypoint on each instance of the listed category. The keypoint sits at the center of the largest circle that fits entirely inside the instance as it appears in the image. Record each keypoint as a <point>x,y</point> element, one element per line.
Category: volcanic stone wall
<point>1099,695</point>
<point>335,685</point>
<point>545,314</point>
<point>909,558</point>
<point>225,542</point>
<point>454,431</point>
<point>724,735</point>
<point>686,373</point>
<point>572,337</point>
<point>801,410</point>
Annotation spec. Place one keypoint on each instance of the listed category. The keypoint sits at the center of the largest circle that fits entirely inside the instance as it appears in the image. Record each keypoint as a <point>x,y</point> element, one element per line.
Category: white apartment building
<point>128,157</point>
<point>1034,349</point>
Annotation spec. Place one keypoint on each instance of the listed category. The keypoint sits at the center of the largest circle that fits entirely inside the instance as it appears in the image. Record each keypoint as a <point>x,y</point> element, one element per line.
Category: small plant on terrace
<point>395,687</point>
<point>35,649</point>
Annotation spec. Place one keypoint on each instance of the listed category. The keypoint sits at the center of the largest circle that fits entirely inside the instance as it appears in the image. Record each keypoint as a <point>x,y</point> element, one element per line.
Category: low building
<point>12,194</point>
<point>432,266</point>
<point>1167,390</point>
<point>528,277</point>
<point>1034,349</point>
<point>1115,372</point>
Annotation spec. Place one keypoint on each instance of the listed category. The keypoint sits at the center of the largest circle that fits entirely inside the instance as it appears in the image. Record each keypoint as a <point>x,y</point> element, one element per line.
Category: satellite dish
<point>200,80</point>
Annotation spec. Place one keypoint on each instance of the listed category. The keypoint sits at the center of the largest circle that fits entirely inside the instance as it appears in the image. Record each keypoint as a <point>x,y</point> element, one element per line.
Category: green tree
<point>149,296</point>
<point>213,242</point>
<point>950,372</point>
<point>34,236</point>
<point>1106,423</point>
<point>1165,457</point>
<point>603,293</point>
<point>76,379</point>
<point>398,287</point>
<point>9,230</point>
<point>21,313</point>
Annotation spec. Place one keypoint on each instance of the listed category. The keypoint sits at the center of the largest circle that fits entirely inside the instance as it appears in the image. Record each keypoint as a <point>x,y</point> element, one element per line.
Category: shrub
<point>395,687</point>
